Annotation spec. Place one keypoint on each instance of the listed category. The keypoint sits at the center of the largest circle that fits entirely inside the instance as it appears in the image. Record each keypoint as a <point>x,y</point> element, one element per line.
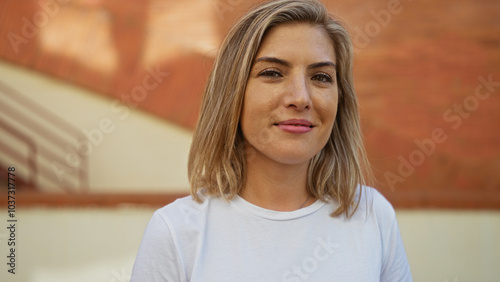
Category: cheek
<point>258,103</point>
<point>253,120</point>
<point>253,129</point>
<point>249,115</point>
<point>327,107</point>
<point>256,117</point>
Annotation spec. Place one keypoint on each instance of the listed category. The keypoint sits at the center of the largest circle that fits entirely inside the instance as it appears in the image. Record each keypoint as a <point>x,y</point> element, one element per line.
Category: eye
<point>322,77</point>
<point>270,74</point>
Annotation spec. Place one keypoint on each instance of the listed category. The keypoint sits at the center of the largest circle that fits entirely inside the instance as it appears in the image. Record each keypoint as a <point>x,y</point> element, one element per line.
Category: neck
<point>276,186</point>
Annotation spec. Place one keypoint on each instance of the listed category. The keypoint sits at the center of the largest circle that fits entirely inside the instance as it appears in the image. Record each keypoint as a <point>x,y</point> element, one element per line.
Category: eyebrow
<point>287,64</point>
<point>322,64</point>
<point>273,60</point>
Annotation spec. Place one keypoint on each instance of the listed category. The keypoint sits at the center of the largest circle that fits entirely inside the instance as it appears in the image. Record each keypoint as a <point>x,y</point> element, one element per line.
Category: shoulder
<point>187,216</point>
<point>179,206</point>
<point>182,211</point>
<point>379,202</point>
<point>164,241</point>
<point>373,203</point>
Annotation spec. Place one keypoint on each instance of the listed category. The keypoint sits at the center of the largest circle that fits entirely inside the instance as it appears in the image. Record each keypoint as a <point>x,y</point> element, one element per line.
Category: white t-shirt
<point>238,241</point>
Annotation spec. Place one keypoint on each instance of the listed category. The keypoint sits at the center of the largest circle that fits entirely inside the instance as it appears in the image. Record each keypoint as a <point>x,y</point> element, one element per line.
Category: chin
<point>293,158</point>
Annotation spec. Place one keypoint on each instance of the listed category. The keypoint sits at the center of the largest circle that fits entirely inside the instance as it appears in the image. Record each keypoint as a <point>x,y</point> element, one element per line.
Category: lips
<point>295,126</point>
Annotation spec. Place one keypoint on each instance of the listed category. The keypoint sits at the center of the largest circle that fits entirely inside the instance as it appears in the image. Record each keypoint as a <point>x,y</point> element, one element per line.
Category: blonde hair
<point>217,160</point>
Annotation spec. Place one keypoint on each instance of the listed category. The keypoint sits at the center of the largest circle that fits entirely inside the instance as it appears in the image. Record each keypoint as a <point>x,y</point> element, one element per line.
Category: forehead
<point>299,41</point>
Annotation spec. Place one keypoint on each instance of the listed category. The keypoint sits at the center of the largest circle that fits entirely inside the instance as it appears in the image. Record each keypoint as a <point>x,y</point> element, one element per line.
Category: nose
<point>297,94</point>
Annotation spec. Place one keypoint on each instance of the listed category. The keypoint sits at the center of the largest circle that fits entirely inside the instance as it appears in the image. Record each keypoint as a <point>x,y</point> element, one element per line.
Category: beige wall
<point>141,153</point>
<point>452,246</point>
<point>81,245</point>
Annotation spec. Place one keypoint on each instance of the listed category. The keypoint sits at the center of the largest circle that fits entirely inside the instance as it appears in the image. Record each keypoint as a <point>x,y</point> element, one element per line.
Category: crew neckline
<point>246,206</point>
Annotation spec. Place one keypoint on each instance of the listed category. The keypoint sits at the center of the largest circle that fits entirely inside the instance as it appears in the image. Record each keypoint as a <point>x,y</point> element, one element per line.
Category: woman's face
<point>291,96</point>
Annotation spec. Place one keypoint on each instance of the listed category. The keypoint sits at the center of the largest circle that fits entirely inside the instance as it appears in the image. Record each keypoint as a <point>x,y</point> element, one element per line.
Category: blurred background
<point>99,98</point>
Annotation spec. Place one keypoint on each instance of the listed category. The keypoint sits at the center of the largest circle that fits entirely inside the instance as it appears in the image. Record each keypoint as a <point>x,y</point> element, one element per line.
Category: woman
<point>277,166</point>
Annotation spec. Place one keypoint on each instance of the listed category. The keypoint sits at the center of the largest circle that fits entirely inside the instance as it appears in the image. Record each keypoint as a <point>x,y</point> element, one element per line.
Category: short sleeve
<point>157,258</point>
<point>395,267</point>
